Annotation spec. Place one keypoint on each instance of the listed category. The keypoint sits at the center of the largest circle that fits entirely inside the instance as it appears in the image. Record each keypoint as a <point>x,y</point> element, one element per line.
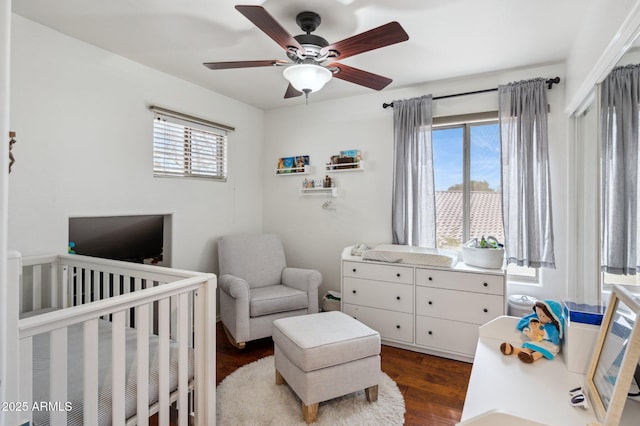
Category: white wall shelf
<point>344,167</point>
<point>333,191</point>
<point>293,171</point>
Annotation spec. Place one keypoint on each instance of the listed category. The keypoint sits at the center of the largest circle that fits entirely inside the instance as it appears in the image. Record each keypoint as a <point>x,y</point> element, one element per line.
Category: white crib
<point>92,329</point>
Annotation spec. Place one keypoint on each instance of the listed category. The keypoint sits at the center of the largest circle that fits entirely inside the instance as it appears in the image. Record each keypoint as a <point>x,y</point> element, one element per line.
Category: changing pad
<point>395,253</point>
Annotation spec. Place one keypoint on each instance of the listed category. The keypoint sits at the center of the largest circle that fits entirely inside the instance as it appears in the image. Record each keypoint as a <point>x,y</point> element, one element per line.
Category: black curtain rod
<point>550,82</point>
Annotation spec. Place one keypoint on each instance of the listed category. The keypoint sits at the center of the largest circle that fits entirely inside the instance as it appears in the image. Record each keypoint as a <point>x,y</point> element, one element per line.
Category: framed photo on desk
<point>615,357</point>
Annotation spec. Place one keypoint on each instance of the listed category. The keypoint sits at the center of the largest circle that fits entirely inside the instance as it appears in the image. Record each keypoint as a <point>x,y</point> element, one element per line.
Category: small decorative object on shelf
<point>289,165</point>
<point>349,160</point>
<point>314,184</point>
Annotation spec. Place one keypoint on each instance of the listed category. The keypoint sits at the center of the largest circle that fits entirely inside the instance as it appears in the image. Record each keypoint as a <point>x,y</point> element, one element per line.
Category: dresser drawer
<point>390,325</point>
<point>458,305</point>
<point>463,281</point>
<point>446,335</point>
<point>390,273</point>
<point>378,294</point>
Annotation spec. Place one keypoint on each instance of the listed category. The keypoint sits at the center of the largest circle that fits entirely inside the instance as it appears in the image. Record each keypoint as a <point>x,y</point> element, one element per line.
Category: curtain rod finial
<point>552,81</point>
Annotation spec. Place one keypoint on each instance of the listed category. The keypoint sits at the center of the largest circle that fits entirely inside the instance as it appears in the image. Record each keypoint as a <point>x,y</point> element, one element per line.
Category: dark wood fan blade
<point>376,38</point>
<point>243,64</point>
<point>292,92</point>
<point>358,76</point>
<point>263,20</point>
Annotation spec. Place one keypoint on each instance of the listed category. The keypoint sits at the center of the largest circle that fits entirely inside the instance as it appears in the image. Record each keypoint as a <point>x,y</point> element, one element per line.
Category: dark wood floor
<point>433,388</point>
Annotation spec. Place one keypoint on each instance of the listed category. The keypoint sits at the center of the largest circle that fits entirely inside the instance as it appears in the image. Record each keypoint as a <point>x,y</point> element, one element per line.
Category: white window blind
<point>186,146</point>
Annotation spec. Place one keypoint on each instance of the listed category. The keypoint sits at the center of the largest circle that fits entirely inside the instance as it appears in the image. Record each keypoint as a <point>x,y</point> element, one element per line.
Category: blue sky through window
<point>485,156</point>
<point>447,157</point>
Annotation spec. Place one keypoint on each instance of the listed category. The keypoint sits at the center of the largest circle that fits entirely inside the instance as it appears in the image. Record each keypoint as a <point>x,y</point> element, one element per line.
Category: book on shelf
<point>348,159</point>
<point>292,164</point>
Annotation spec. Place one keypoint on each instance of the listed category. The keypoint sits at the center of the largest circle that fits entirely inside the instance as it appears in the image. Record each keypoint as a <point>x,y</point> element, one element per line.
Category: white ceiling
<point>447,38</point>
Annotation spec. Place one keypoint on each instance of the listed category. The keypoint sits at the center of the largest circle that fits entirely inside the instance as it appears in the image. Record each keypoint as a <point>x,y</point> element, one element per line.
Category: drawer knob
<point>354,269</point>
<point>430,279</point>
<point>430,302</point>
<point>398,275</point>
<point>397,297</point>
<point>354,292</point>
<point>397,326</point>
<point>486,310</point>
<point>485,284</point>
<point>430,332</point>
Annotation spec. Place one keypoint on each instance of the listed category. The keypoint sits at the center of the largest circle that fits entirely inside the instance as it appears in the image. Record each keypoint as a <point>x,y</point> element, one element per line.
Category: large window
<point>467,182</point>
<point>466,158</point>
<point>188,147</point>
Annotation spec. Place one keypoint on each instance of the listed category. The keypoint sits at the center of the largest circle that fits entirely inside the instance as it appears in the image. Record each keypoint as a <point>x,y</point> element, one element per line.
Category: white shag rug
<point>250,396</point>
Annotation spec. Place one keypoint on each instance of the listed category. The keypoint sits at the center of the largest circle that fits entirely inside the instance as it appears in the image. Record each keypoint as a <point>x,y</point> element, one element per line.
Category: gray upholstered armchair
<point>257,287</point>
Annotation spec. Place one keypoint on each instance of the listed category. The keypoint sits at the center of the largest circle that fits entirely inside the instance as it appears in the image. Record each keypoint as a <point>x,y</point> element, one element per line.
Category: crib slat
<point>118,359</point>
<point>104,290</point>
<point>86,286</point>
<point>126,288</point>
<point>65,286</point>
<point>183,360</point>
<point>90,372</point>
<point>116,284</point>
<point>55,286</point>
<point>163,362</point>
<point>73,283</point>
<point>58,375</point>
<point>36,296</point>
<point>26,374</point>
<point>142,326</point>
<point>174,317</point>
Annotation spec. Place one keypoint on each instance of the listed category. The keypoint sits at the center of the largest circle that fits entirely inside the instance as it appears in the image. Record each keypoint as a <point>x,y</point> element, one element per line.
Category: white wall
<point>85,148</point>
<point>604,35</point>
<point>315,237</point>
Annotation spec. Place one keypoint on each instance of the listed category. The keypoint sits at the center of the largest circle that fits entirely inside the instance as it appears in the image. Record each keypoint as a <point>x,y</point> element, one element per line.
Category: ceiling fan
<point>312,59</point>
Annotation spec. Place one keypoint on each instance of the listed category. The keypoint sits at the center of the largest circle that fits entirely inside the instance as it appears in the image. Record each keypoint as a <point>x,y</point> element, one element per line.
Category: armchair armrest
<point>307,280</point>
<point>234,286</point>
<point>302,279</point>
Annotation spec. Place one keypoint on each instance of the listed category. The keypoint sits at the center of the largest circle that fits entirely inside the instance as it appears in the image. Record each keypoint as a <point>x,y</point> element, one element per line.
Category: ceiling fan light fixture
<point>307,78</point>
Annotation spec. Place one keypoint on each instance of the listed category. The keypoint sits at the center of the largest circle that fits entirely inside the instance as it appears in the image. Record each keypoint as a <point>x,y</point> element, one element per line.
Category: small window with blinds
<point>186,146</point>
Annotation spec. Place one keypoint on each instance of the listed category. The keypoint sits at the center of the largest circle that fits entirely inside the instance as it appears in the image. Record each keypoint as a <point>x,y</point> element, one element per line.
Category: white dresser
<point>425,309</point>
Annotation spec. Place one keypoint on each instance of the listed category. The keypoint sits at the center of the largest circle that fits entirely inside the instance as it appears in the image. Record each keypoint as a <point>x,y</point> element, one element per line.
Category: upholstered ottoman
<point>324,356</point>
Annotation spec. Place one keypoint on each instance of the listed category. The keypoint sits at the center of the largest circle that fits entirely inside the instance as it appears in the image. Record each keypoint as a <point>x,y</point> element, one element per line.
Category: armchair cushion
<point>276,298</point>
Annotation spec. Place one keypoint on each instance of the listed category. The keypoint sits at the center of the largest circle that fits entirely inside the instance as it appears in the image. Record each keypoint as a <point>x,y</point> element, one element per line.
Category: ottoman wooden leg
<point>279,379</point>
<point>310,412</point>
<point>372,393</point>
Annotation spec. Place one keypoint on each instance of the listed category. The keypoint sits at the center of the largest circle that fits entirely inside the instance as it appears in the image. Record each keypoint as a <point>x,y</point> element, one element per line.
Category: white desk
<point>505,391</point>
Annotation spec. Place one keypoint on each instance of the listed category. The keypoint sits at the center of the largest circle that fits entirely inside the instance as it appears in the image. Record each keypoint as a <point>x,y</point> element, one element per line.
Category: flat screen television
<point>138,239</point>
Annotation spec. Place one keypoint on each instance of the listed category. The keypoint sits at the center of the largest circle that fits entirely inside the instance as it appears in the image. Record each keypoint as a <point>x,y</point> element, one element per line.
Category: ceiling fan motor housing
<point>312,45</point>
<point>308,21</point>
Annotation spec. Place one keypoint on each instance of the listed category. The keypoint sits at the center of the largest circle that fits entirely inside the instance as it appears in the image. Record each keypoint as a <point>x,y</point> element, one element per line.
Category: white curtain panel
<point>526,188</point>
<point>620,99</point>
<point>413,200</point>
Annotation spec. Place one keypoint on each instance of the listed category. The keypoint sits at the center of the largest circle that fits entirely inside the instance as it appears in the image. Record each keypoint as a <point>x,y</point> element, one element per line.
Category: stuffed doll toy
<point>543,328</point>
